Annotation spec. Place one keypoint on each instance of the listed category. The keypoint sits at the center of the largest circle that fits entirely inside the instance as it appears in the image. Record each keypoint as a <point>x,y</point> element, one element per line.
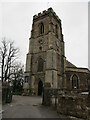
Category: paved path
<point>30,107</point>
<point>27,107</point>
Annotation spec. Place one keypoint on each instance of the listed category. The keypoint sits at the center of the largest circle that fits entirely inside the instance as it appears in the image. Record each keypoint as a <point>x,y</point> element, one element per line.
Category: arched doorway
<point>40,87</point>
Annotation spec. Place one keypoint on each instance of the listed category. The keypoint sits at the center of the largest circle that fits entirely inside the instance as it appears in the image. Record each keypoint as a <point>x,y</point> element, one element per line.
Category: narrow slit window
<point>41,28</point>
<point>56,30</point>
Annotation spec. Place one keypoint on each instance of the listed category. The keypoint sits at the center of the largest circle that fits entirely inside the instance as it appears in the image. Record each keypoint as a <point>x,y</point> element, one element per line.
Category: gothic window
<point>41,28</point>
<point>40,64</point>
<point>56,30</point>
<point>75,82</point>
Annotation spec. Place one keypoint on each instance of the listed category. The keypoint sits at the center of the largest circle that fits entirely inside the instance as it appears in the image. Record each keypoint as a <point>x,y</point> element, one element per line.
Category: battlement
<point>46,12</point>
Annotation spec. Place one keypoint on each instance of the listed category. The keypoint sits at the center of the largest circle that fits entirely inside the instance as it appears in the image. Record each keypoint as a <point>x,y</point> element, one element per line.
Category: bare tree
<point>8,55</point>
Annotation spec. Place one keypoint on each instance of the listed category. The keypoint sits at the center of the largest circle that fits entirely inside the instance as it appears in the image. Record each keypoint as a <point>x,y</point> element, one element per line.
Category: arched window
<point>41,28</point>
<point>56,30</point>
<point>75,82</point>
<point>40,64</point>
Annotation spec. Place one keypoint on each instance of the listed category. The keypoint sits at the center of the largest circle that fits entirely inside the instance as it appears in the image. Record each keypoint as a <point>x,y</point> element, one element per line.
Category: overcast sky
<point>17,21</point>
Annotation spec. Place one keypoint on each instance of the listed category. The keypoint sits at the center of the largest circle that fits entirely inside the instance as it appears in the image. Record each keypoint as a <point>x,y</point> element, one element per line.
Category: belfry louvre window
<point>40,64</point>
<point>56,30</point>
<point>41,28</point>
<point>74,82</point>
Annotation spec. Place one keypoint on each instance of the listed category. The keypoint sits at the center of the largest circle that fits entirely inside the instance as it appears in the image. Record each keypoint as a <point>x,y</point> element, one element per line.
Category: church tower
<point>45,59</point>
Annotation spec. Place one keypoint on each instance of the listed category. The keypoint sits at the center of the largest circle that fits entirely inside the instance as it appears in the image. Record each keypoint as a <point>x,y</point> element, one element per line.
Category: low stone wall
<point>6,93</point>
<point>68,103</point>
<point>73,105</point>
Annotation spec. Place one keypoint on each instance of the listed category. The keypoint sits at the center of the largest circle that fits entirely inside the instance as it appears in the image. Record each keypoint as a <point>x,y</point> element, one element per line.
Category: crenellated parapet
<point>46,12</point>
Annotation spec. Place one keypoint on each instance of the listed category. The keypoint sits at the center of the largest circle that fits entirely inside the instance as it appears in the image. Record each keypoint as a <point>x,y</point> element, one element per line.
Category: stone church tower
<point>45,59</point>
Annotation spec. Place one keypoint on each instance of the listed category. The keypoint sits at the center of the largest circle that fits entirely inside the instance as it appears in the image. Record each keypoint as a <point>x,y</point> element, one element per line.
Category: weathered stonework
<point>83,78</point>
<point>46,61</point>
<point>67,103</point>
<point>49,47</point>
<point>73,105</point>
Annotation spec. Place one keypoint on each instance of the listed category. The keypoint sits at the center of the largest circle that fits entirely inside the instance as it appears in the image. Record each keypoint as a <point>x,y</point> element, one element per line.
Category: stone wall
<point>67,103</point>
<point>73,105</point>
<point>83,79</point>
<point>49,46</point>
<point>6,93</point>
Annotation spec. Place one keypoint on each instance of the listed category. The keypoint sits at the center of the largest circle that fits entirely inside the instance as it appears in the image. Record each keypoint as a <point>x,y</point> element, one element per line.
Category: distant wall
<point>68,103</point>
<point>73,105</point>
<point>83,79</point>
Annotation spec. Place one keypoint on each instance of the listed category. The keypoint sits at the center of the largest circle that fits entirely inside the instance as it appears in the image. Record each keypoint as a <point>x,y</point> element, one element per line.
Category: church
<point>46,61</point>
